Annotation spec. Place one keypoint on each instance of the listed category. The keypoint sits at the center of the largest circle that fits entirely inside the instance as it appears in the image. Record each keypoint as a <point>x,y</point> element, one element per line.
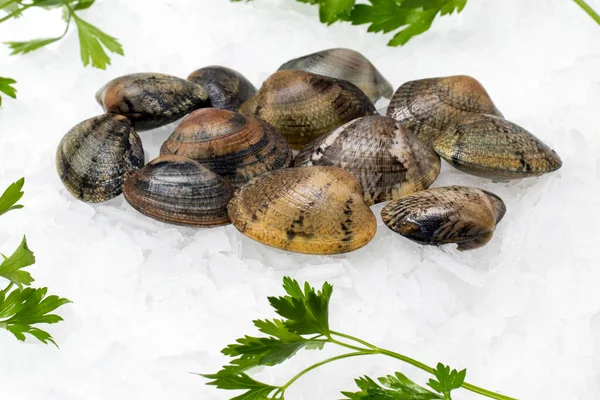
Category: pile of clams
<point>230,159</point>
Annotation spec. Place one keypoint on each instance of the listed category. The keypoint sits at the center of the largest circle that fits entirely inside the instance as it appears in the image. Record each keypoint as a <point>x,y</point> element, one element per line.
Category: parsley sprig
<point>305,325</point>
<point>23,307</point>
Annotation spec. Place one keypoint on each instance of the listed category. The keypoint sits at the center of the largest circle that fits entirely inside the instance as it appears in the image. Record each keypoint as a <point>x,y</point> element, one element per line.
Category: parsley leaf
<point>92,42</point>
<point>447,380</point>
<point>11,267</point>
<point>11,195</point>
<point>6,87</point>
<point>393,387</point>
<point>232,379</point>
<point>31,45</point>
<point>331,11</point>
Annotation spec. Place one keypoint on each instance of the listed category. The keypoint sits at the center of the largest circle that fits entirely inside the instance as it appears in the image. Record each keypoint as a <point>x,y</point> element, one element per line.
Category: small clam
<point>495,148</point>
<point>348,65</point>
<point>151,100</point>
<point>388,161</point>
<point>314,210</point>
<point>428,107</point>
<point>230,144</point>
<point>454,214</point>
<point>303,106</point>
<point>226,88</point>
<point>95,157</point>
<point>179,191</point>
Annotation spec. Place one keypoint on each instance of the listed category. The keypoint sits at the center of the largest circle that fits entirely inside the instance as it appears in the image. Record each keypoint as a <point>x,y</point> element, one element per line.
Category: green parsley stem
<point>353,339</point>
<point>16,12</point>
<point>589,10</point>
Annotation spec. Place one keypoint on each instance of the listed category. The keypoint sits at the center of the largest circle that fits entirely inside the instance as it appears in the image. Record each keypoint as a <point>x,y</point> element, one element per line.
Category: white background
<point>153,302</point>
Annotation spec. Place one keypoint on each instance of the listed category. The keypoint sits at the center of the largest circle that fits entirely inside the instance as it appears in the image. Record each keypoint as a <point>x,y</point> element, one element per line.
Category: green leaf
<point>331,11</point>
<point>26,47</point>
<point>7,88</point>
<point>83,4</point>
<point>447,380</point>
<point>393,387</point>
<point>231,379</point>
<point>11,267</point>
<point>11,195</point>
<point>92,42</point>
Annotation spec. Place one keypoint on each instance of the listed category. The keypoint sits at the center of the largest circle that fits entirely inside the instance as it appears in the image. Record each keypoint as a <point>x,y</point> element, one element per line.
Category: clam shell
<point>230,144</point>
<point>495,148</point>
<point>226,88</point>
<point>303,106</point>
<point>388,161</point>
<point>428,107</point>
<point>151,100</point>
<point>179,191</point>
<point>454,214</point>
<point>348,65</point>
<point>314,210</point>
<point>95,157</point>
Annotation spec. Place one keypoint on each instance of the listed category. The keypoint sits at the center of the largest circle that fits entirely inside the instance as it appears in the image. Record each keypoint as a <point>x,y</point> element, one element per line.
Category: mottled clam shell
<point>388,161</point>
<point>179,191</point>
<point>226,88</point>
<point>429,107</point>
<point>230,144</point>
<point>313,210</point>
<point>495,148</point>
<point>303,106</point>
<point>348,65</point>
<point>95,157</point>
<point>454,214</point>
<point>151,100</point>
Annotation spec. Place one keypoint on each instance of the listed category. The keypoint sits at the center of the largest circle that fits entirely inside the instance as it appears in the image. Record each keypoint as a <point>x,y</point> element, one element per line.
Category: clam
<point>388,161</point>
<point>303,106</point>
<point>230,144</point>
<point>454,214</point>
<point>428,107</point>
<point>314,210</point>
<point>348,65</point>
<point>95,157</point>
<point>151,100</point>
<point>180,191</point>
<point>495,148</point>
<point>226,88</point>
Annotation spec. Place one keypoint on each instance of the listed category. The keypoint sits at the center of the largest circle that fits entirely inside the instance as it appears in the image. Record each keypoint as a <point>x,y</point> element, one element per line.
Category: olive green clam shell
<point>226,88</point>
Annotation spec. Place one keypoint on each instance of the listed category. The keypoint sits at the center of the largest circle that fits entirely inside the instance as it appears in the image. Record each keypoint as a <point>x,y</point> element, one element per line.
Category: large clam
<point>303,106</point>
<point>95,157</point>
<point>454,214</point>
<point>495,148</point>
<point>388,161</point>
<point>348,65</point>
<point>429,107</point>
<point>315,210</point>
<point>226,87</point>
<point>230,144</point>
<point>179,191</point>
<point>151,100</point>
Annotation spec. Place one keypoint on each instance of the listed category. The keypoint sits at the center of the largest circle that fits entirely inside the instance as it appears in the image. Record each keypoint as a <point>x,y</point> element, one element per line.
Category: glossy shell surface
<point>303,106</point>
<point>151,100</point>
<point>314,210</point>
<point>179,191</point>
<point>226,88</point>
<point>348,65</point>
<point>388,161</point>
<point>95,157</point>
<point>454,214</point>
<point>429,107</point>
<point>230,144</point>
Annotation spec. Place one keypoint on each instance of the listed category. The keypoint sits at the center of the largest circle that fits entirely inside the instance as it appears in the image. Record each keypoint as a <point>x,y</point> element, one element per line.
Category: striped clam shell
<point>226,88</point>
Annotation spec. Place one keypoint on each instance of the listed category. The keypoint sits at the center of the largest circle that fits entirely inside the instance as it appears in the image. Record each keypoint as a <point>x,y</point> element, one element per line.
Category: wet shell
<point>179,191</point>
<point>95,157</point>
<point>495,148</point>
<point>388,161</point>
<point>348,65</point>
<point>454,214</point>
<point>428,107</point>
<point>151,100</point>
<point>303,106</point>
<point>226,88</point>
<point>230,144</point>
<point>314,210</point>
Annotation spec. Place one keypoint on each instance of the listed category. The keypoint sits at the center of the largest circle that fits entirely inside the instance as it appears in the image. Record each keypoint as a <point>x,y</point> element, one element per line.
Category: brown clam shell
<point>429,107</point>
<point>179,191</point>
<point>495,148</point>
<point>313,210</point>
<point>235,146</point>
<point>151,100</point>
<point>303,106</point>
<point>95,157</point>
<point>388,161</point>
<point>454,214</point>
<point>226,88</point>
<point>348,65</point>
